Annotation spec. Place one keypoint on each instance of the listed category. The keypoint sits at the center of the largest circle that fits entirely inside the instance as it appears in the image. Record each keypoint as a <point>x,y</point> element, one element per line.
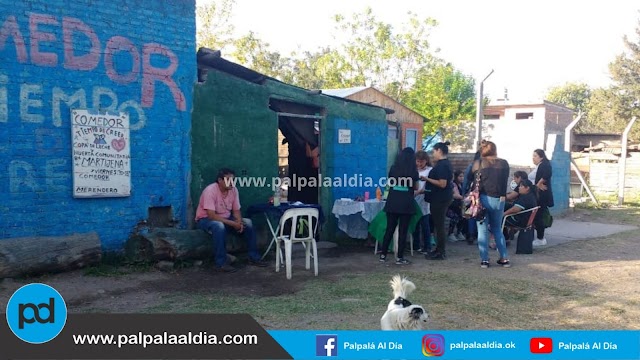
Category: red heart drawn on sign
<point>118,144</point>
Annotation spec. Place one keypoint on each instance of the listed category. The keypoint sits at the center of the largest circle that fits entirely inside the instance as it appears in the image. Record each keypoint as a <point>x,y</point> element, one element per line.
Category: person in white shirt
<point>424,167</point>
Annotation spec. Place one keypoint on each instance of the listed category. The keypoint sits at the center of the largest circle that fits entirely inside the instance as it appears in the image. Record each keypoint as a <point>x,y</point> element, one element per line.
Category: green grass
<point>355,297</point>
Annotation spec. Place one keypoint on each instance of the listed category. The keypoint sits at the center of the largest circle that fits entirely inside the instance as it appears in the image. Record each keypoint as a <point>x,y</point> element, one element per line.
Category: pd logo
<point>36,313</point>
<point>433,345</point>
<point>326,345</point>
<point>541,345</point>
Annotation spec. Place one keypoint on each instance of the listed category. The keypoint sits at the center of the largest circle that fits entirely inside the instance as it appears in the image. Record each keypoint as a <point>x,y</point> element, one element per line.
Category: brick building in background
<point>518,129</point>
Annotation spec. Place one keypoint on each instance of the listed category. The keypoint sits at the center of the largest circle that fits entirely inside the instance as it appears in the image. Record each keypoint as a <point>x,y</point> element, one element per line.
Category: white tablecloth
<point>354,216</point>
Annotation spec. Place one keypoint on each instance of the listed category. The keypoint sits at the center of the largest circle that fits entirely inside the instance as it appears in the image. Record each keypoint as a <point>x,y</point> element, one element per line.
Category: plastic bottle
<point>276,197</point>
<point>378,193</point>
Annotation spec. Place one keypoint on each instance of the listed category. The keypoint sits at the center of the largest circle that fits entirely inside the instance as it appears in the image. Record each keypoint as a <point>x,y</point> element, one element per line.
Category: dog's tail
<point>401,286</point>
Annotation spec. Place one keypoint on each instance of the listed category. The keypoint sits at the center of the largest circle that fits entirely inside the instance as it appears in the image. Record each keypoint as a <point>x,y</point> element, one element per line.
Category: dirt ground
<point>583,284</point>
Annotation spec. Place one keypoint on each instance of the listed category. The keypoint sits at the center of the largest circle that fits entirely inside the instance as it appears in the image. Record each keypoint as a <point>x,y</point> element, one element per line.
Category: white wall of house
<point>512,113</point>
<point>516,139</point>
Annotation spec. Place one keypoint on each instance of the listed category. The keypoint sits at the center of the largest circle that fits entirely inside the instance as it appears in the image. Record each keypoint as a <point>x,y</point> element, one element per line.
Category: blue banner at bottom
<point>476,344</point>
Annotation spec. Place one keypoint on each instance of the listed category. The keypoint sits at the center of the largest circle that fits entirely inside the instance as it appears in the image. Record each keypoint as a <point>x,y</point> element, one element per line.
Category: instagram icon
<point>433,345</point>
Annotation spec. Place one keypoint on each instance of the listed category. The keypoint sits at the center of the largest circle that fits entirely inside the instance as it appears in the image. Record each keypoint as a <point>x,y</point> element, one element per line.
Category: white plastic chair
<point>395,242</point>
<point>308,215</point>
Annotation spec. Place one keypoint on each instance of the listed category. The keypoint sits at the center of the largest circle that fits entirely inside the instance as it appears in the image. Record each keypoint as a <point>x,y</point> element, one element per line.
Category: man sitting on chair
<point>526,200</point>
<point>218,213</point>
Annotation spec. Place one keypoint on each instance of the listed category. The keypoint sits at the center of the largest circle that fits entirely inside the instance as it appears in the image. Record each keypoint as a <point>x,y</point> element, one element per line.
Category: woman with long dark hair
<point>541,179</point>
<point>494,174</point>
<point>439,193</point>
<point>403,180</point>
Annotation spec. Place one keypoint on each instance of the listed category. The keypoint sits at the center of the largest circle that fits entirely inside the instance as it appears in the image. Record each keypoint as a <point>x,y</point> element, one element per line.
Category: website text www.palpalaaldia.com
<point>356,180</point>
<point>165,338</point>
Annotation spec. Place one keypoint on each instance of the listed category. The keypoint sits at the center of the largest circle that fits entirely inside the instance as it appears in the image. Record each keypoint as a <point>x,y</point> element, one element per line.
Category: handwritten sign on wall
<point>101,154</point>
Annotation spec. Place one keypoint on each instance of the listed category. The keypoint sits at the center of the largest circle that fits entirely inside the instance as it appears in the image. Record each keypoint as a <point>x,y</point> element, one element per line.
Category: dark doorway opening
<point>299,126</point>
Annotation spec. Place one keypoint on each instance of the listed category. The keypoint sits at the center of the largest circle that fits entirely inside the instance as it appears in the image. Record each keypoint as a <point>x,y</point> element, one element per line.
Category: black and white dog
<point>401,314</point>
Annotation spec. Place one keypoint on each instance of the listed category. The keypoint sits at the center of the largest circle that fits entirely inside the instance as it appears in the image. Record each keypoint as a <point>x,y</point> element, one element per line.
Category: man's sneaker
<point>504,263</point>
<point>452,238</point>
<point>383,258</point>
<point>540,242</point>
<point>402,261</point>
<point>258,263</point>
<point>461,237</point>
<point>226,268</point>
<point>484,264</point>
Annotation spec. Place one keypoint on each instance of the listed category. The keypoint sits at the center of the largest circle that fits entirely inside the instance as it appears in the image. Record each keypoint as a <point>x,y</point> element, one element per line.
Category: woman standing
<point>424,167</point>
<point>399,208</point>
<point>439,193</point>
<point>457,227</point>
<point>541,179</point>
<point>494,174</point>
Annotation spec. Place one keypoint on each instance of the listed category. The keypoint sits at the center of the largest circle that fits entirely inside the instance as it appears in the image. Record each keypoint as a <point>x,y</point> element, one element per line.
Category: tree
<point>446,97</point>
<point>605,113</point>
<point>572,95</point>
<point>377,55</point>
<point>213,23</point>
<point>625,72</point>
<point>252,52</point>
<point>324,69</point>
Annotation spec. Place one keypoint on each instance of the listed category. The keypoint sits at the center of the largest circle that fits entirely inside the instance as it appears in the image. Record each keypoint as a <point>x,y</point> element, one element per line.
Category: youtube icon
<point>541,345</point>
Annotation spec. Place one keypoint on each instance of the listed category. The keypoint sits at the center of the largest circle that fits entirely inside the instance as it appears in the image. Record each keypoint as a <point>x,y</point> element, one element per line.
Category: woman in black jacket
<point>541,179</point>
<point>403,175</point>
<point>439,193</point>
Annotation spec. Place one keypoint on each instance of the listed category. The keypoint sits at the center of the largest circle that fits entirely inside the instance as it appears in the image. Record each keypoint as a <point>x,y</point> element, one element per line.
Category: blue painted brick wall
<point>105,56</point>
<point>365,157</point>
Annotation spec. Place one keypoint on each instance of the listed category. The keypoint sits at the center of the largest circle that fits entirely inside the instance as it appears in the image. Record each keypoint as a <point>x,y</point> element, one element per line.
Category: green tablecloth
<point>378,225</point>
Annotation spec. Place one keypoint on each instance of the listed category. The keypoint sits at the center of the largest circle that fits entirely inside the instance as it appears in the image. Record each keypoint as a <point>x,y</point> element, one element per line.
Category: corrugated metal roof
<point>343,92</point>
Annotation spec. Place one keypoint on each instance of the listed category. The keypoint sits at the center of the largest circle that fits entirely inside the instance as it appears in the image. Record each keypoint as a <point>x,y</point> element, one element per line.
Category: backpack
<point>472,206</point>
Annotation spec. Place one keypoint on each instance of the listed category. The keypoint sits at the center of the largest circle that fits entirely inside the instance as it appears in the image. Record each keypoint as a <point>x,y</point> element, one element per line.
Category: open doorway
<point>299,149</point>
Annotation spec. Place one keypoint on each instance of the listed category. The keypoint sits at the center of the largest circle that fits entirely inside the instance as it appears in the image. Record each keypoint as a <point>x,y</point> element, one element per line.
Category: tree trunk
<point>176,244</point>
<point>37,255</point>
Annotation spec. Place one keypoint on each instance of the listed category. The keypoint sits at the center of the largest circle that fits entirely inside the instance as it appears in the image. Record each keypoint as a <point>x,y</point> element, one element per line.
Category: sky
<point>530,45</point>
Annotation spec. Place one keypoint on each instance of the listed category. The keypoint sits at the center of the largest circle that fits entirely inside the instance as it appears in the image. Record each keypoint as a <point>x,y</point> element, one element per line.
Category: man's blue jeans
<point>492,220</point>
<point>218,231</point>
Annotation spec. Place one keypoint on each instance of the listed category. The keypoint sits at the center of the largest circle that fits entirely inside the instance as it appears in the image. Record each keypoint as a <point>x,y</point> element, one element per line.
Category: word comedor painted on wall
<point>79,58</point>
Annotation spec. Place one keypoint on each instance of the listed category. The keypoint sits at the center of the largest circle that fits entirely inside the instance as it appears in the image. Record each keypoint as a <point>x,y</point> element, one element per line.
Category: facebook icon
<point>326,345</point>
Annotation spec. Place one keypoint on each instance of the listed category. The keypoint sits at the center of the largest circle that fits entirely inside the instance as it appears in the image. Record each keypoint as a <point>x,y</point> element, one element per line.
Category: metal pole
<point>574,166</point>
<point>567,133</point>
<point>623,161</point>
<point>479,110</point>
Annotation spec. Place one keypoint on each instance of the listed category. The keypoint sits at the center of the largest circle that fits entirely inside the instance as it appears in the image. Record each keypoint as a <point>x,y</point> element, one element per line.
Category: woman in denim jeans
<point>494,174</point>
